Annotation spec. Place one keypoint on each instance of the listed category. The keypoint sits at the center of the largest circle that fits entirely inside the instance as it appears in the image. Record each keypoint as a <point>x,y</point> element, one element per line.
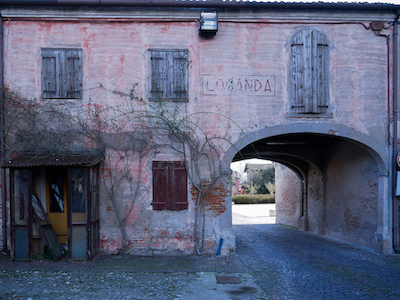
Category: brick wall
<point>215,198</point>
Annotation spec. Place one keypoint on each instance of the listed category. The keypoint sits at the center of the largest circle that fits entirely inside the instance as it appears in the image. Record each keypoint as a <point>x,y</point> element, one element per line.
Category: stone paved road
<point>290,264</point>
<point>272,262</point>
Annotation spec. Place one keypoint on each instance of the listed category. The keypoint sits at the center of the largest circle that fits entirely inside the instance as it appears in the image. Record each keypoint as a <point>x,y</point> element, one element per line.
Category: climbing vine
<point>128,133</point>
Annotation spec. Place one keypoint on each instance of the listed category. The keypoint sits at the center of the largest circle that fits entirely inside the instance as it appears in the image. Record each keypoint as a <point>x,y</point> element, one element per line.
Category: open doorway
<point>54,206</point>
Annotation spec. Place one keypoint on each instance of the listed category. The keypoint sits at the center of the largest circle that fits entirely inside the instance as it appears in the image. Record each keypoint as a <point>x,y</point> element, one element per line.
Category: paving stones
<point>108,277</point>
<point>272,262</point>
<point>290,264</point>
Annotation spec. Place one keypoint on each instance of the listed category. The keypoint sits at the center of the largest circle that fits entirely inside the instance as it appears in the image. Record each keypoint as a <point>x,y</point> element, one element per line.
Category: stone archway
<point>344,174</point>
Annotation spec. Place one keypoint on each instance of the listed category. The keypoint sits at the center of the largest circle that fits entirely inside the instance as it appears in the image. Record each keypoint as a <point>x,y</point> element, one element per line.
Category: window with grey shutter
<point>309,72</point>
<point>168,75</point>
<point>169,185</point>
<point>61,73</point>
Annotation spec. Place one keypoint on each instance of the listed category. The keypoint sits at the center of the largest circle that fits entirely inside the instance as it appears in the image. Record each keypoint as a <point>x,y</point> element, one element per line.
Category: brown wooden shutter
<point>179,186</point>
<point>159,185</point>
<point>169,186</point>
<point>50,69</point>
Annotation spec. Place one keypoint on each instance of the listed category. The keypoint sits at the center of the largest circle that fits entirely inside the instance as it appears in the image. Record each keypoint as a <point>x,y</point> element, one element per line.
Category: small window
<point>309,72</point>
<point>169,185</point>
<point>61,73</point>
<point>168,75</point>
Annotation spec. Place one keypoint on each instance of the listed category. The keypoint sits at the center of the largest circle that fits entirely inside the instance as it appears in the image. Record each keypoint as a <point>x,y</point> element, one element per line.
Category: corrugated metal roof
<point>30,160</point>
<point>312,4</point>
<point>222,2</point>
<point>324,1</point>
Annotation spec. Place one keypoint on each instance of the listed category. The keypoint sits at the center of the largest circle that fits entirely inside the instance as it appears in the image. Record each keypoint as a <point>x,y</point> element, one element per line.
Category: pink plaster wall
<point>115,54</point>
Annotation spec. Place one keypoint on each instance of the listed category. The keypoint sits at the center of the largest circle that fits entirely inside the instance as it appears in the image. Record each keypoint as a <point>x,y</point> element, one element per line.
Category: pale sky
<point>240,165</point>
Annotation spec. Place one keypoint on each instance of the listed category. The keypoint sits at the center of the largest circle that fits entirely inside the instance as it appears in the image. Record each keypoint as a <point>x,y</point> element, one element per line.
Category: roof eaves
<point>254,4</point>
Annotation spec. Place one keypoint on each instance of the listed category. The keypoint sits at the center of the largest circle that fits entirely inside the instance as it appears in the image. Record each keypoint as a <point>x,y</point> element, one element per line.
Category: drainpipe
<point>395,208</point>
<point>3,171</point>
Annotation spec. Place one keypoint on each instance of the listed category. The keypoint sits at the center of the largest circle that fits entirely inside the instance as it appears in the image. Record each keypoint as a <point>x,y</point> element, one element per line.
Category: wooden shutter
<point>50,69</point>
<point>73,74</point>
<point>168,75</point>
<point>157,75</point>
<point>160,176</point>
<point>310,58</point>
<point>169,186</point>
<point>299,66</point>
<point>321,59</point>
<point>178,186</point>
<point>179,69</point>
<point>61,73</point>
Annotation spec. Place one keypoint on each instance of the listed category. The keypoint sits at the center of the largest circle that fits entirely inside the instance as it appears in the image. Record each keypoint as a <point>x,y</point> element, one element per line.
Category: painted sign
<point>398,159</point>
<point>252,85</point>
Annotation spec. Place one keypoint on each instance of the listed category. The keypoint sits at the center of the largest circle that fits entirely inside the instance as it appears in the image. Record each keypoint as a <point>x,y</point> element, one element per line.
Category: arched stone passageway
<point>342,174</point>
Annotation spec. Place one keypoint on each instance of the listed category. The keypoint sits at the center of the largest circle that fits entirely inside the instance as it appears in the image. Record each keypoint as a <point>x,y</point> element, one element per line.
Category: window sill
<point>168,99</point>
<point>310,116</point>
<point>64,98</point>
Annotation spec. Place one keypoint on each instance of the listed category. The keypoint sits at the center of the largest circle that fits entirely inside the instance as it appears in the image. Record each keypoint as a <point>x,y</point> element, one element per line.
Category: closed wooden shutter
<point>310,59</point>
<point>61,73</point>
<point>168,75</point>
<point>160,184</point>
<point>158,75</point>
<point>169,186</point>
<point>179,186</point>
<point>50,69</point>
<point>299,69</point>
<point>321,60</point>
<point>73,73</point>
<point>179,69</point>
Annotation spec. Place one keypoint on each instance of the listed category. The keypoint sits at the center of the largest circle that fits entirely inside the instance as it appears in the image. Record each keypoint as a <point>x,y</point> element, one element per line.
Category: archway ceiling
<point>296,151</point>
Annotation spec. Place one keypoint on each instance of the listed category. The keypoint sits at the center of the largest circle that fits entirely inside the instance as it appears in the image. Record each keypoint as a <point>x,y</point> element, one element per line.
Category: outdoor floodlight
<point>208,23</point>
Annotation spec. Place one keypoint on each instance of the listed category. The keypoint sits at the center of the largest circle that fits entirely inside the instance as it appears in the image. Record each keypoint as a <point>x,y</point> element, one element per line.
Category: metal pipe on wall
<point>395,225</point>
<point>3,171</point>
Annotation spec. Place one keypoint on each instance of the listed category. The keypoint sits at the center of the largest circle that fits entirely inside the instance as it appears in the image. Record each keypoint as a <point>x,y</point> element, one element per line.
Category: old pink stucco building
<point>310,86</point>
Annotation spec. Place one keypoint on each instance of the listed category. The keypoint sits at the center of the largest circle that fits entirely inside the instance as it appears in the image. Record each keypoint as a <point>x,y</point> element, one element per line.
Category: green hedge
<point>253,199</point>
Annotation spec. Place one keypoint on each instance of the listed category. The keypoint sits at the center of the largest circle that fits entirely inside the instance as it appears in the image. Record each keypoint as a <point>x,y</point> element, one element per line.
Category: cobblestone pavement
<point>129,277</point>
<point>272,262</point>
<point>290,264</point>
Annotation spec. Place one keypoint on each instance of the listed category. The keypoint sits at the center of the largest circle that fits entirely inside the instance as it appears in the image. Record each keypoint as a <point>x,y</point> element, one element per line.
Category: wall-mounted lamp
<point>208,23</point>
